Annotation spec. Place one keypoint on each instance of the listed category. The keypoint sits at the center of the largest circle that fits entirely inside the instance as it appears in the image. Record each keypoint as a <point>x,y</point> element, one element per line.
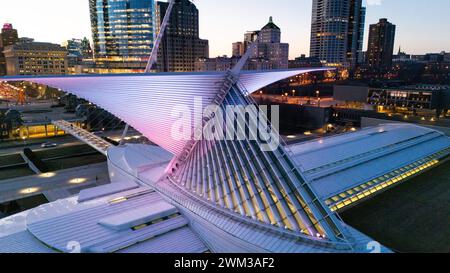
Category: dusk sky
<point>422,25</point>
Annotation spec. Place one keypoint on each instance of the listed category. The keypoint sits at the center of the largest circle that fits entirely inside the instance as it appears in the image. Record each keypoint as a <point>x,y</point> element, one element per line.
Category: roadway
<point>54,185</point>
<point>14,147</point>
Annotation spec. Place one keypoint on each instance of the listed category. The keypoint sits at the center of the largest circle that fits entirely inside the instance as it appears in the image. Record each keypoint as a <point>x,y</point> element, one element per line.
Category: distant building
<point>434,57</point>
<point>8,37</point>
<point>304,61</point>
<point>270,52</point>
<point>36,59</point>
<point>215,64</point>
<point>86,48</point>
<point>337,31</point>
<point>401,56</point>
<point>10,121</point>
<point>238,49</point>
<point>79,47</point>
<point>446,57</point>
<point>123,34</point>
<point>381,45</point>
<point>250,37</point>
<point>78,51</point>
<point>270,49</point>
<point>413,97</point>
<point>181,45</point>
<point>26,40</point>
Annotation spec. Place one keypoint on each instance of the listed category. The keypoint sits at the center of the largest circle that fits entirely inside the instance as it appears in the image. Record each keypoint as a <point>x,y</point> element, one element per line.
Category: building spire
<point>270,19</point>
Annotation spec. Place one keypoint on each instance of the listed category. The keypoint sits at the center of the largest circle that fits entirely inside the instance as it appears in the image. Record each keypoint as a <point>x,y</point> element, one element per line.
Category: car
<point>49,145</point>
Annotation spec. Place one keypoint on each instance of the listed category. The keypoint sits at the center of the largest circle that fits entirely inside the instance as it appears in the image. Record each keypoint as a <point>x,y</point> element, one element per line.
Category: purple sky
<point>422,25</point>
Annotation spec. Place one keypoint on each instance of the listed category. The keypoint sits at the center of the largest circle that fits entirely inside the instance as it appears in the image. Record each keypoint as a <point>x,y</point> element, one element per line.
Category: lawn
<point>64,151</point>
<point>11,160</point>
<point>413,217</point>
<point>9,173</point>
<point>73,162</point>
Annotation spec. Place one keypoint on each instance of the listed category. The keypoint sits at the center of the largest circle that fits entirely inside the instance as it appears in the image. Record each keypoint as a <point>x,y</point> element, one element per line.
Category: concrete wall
<point>351,93</point>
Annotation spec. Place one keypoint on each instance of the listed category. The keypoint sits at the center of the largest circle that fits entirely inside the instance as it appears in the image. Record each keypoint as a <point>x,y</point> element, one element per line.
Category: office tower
<point>337,31</point>
<point>269,53</point>
<point>33,58</point>
<point>181,46</point>
<point>123,33</point>
<point>270,49</point>
<point>381,44</point>
<point>238,49</point>
<point>8,37</point>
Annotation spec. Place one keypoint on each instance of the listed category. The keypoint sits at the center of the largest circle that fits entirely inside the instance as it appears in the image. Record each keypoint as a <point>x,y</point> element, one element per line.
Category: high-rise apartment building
<point>8,37</point>
<point>381,44</point>
<point>181,45</point>
<point>337,31</point>
<point>123,33</point>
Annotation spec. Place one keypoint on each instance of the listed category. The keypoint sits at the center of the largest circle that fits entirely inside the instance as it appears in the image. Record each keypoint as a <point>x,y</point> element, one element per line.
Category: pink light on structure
<point>146,102</point>
<point>255,80</point>
<point>7,26</point>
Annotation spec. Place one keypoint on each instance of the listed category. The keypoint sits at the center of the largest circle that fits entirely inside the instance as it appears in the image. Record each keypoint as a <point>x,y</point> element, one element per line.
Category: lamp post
<point>318,98</point>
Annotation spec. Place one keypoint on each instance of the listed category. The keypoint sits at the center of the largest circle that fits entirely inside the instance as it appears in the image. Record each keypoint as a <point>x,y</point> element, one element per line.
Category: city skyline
<point>38,21</point>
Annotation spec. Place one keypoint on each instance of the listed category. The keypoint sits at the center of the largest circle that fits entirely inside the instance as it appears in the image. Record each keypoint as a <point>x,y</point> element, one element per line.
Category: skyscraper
<point>337,31</point>
<point>123,33</point>
<point>381,44</point>
<point>181,45</point>
<point>355,37</point>
<point>270,48</point>
<point>8,37</point>
<point>269,53</point>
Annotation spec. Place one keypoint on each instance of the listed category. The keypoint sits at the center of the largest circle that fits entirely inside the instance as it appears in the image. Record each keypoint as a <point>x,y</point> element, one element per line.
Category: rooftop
<point>271,24</point>
<point>133,221</point>
<point>356,158</point>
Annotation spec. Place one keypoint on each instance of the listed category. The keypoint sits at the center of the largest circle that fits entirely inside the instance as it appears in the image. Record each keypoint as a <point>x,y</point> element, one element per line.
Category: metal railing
<point>92,140</point>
